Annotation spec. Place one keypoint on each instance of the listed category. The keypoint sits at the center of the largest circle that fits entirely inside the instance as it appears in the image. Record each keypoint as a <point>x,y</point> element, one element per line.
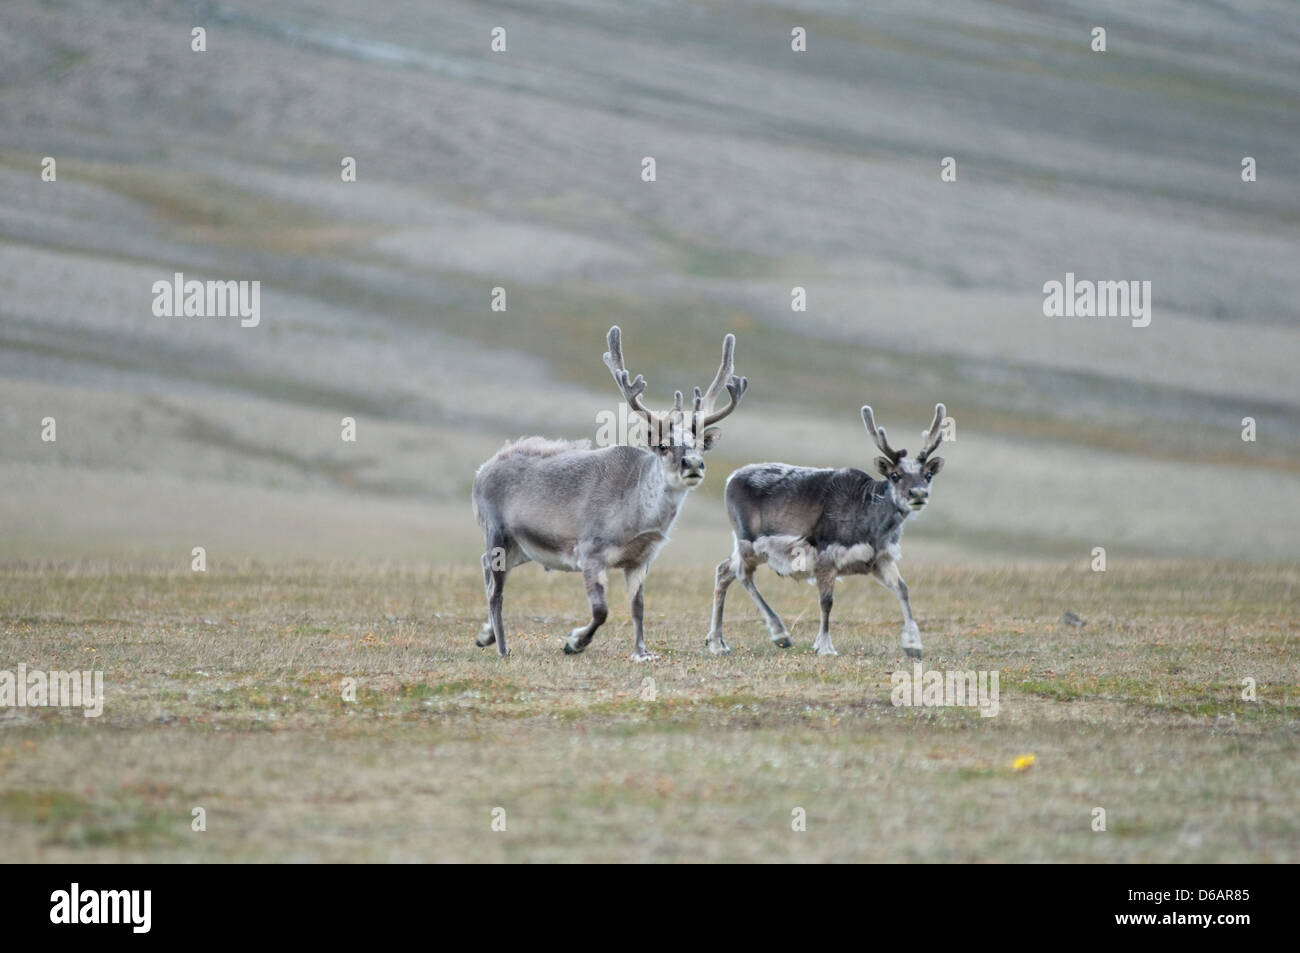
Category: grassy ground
<point>223,691</point>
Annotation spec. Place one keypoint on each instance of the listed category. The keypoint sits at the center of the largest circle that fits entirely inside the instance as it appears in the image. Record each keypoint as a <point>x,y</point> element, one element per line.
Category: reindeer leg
<point>494,582</point>
<point>487,635</point>
<point>636,594</point>
<point>501,556</point>
<point>774,624</point>
<point>593,574</point>
<point>725,576</point>
<point>887,575</point>
<point>826,596</point>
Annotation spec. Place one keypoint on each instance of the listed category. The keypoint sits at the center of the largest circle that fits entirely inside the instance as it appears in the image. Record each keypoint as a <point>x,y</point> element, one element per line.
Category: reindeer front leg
<point>636,596</point>
<point>593,574</point>
<point>887,575</point>
<point>826,597</point>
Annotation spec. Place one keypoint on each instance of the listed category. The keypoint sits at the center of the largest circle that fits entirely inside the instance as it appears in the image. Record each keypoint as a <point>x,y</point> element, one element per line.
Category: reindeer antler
<point>934,436</point>
<point>633,387</point>
<point>630,388</point>
<point>878,434</point>
<point>735,387</point>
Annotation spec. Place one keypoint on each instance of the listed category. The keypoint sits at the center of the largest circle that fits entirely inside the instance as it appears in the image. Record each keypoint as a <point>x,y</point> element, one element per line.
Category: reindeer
<point>573,508</point>
<point>821,524</point>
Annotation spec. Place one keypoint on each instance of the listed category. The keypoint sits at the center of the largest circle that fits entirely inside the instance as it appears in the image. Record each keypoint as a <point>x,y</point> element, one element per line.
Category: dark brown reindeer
<point>819,524</point>
<point>573,508</point>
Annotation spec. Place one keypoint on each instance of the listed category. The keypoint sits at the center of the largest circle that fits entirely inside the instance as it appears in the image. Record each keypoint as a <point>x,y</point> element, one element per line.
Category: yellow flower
<point>1023,763</point>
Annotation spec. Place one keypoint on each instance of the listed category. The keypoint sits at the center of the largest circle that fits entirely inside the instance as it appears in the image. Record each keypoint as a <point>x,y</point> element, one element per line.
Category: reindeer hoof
<point>911,652</point>
<point>643,656</point>
<point>827,652</point>
<point>483,643</point>
<point>716,645</point>
<point>783,642</point>
<point>570,650</point>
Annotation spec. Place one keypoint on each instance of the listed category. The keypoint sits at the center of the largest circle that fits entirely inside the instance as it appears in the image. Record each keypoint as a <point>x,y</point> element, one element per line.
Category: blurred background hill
<point>522,170</point>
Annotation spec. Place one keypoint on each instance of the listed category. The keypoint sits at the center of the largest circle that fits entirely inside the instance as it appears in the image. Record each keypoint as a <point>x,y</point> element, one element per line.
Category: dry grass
<point>223,691</point>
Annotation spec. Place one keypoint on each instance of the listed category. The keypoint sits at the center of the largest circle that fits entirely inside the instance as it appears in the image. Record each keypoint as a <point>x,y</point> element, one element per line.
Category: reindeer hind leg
<point>723,578</point>
<point>749,561</point>
<point>496,566</point>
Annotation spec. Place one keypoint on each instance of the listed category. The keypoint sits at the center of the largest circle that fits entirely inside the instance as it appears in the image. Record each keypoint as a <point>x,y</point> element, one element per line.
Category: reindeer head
<point>680,439</point>
<point>909,480</point>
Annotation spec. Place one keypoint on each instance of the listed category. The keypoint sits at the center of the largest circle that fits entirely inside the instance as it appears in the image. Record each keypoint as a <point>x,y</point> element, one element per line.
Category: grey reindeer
<point>570,507</point>
<point>820,524</point>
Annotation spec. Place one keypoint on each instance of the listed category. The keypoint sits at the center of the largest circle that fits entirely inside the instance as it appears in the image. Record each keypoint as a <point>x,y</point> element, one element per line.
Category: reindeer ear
<point>709,439</point>
<point>933,465</point>
<point>884,465</point>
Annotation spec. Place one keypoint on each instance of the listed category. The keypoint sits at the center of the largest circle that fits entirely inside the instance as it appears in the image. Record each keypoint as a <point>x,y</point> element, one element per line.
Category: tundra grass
<point>333,712</point>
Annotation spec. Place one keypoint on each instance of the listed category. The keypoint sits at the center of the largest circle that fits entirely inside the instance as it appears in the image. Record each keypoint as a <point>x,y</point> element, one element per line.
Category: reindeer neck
<point>882,513</point>
<point>660,503</point>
